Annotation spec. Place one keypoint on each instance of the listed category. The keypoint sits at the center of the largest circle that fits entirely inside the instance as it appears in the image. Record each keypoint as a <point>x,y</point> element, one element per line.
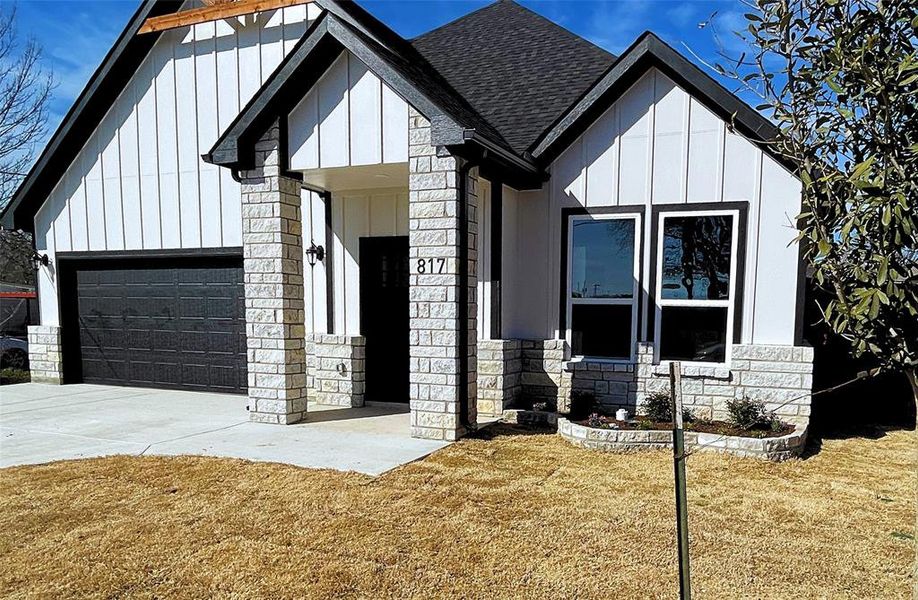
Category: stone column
<point>274,306</point>
<point>543,378</point>
<point>45,357</point>
<point>436,369</point>
<point>336,369</point>
<point>499,366</point>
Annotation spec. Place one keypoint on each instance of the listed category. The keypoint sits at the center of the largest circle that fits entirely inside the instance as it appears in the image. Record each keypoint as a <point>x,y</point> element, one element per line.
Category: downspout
<point>463,214</point>
<point>329,265</point>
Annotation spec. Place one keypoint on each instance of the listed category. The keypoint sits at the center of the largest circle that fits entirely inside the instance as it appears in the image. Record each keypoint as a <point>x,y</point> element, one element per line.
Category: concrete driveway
<point>41,423</point>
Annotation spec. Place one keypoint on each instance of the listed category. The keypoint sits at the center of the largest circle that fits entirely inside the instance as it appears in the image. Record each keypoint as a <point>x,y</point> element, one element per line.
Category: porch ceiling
<point>334,179</point>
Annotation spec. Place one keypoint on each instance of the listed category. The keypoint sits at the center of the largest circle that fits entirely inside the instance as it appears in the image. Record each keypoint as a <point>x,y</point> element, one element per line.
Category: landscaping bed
<point>750,430</point>
<point>10,376</point>
<point>774,448</point>
<point>719,427</point>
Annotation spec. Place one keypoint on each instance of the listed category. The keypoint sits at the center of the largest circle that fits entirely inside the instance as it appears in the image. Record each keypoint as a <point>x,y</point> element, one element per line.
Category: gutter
<point>502,153</point>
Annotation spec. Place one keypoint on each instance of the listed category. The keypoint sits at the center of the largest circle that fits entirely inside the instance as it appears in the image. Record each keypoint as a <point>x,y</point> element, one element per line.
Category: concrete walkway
<point>41,423</point>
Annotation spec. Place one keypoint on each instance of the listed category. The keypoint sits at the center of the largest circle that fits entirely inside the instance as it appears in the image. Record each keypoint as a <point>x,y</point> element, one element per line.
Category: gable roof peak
<point>519,70</point>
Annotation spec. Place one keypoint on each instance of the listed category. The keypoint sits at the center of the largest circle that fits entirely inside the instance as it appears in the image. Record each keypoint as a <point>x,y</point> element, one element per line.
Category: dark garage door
<point>170,323</point>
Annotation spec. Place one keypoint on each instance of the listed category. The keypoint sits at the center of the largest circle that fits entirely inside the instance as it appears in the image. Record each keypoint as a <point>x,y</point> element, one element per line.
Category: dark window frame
<point>740,210</point>
<point>635,212</point>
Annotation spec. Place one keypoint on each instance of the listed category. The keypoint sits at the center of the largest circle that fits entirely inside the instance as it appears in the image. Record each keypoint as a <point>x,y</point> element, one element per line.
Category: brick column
<point>436,324</point>
<point>45,358</point>
<point>274,306</point>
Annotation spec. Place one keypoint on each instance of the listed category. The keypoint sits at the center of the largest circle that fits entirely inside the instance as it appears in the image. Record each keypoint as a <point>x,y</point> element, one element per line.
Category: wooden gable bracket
<point>214,10</point>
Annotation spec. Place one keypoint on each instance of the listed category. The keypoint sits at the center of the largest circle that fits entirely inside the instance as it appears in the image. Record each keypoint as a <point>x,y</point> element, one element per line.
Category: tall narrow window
<point>696,272</point>
<point>603,268</point>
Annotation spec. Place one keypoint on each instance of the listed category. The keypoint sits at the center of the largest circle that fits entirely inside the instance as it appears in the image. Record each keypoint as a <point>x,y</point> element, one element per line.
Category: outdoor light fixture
<point>39,260</point>
<point>314,253</point>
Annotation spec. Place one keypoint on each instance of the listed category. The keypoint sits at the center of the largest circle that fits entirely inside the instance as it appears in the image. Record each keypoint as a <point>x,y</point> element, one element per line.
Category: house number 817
<point>431,265</point>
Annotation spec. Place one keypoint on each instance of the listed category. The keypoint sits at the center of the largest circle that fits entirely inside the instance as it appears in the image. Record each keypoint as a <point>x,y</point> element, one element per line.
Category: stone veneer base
<point>617,440</point>
<point>335,369</point>
<point>45,354</point>
<point>530,418</point>
<point>499,366</point>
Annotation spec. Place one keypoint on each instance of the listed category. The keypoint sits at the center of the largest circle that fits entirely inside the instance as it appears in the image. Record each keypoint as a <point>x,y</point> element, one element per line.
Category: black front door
<point>384,316</point>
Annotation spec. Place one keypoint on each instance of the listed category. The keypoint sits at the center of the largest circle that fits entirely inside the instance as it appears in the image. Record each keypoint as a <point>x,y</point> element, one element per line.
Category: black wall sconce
<point>314,254</point>
<point>39,260</point>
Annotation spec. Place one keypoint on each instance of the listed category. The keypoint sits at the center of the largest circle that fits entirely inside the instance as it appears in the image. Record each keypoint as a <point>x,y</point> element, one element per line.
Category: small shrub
<point>657,408</point>
<point>644,425</point>
<point>595,420</point>
<point>746,413</point>
<point>775,424</point>
<point>582,404</point>
<point>10,376</point>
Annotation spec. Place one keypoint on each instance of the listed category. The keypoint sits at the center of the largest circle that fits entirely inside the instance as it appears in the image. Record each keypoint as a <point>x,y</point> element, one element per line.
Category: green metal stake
<point>675,396</point>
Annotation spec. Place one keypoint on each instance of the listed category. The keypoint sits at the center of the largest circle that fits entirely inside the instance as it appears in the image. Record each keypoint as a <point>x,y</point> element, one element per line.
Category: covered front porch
<point>361,197</point>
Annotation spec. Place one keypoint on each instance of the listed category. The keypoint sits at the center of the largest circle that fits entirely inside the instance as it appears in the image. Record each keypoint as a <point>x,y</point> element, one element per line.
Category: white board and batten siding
<point>659,146</point>
<point>139,181</point>
<point>371,213</point>
<point>355,214</point>
<point>348,118</point>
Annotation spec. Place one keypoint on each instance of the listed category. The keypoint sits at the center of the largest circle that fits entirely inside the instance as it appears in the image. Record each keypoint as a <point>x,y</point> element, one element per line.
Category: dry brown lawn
<point>513,516</point>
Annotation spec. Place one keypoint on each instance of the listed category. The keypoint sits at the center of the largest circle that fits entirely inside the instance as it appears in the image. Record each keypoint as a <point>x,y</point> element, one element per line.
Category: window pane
<point>696,257</point>
<point>693,333</point>
<point>602,258</point>
<point>601,330</point>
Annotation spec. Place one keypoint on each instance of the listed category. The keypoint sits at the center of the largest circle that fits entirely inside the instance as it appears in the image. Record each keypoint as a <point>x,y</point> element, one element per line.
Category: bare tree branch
<point>25,90</point>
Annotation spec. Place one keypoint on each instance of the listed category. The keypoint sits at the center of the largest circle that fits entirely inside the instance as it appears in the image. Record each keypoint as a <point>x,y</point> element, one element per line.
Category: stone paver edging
<point>618,440</point>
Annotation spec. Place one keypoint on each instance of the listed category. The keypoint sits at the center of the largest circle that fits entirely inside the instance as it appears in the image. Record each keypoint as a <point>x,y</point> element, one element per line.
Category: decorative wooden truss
<point>214,10</point>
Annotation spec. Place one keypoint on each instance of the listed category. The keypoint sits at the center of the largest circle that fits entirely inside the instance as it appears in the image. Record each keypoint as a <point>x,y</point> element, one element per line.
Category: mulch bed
<point>718,427</point>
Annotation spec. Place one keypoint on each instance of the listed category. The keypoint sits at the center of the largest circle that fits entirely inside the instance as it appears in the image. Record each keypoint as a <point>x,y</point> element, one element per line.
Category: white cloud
<point>615,25</point>
<point>683,15</point>
<point>727,24</point>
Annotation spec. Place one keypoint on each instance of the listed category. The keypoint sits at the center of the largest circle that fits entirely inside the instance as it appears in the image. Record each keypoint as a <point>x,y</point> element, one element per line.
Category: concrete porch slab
<point>41,423</point>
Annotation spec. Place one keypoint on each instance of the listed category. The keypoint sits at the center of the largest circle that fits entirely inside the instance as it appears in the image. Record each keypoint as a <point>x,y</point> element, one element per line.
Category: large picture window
<point>696,273</point>
<point>603,268</point>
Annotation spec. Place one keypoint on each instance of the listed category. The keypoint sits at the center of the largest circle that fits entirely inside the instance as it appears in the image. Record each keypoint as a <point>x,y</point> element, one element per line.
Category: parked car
<point>14,353</point>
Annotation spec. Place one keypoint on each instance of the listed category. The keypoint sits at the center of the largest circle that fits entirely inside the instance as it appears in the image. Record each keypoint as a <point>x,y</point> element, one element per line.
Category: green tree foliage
<point>15,253</point>
<point>840,78</point>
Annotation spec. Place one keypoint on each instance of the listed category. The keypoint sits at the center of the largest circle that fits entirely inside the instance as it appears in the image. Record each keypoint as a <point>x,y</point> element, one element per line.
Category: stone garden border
<point>617,440</point>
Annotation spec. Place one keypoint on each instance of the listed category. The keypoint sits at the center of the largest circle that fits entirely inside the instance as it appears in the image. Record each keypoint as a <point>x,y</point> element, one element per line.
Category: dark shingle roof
<point>396,61</point>
<point>413,66</point>
<point>517,69</point>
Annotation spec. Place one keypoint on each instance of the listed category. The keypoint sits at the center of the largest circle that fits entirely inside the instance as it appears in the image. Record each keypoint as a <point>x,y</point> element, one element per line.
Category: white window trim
<point>730,303</point>
<point>634,301</point>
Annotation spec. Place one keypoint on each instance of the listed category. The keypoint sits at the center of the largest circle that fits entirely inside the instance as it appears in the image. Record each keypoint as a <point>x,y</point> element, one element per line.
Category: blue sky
<point>76,35</point>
